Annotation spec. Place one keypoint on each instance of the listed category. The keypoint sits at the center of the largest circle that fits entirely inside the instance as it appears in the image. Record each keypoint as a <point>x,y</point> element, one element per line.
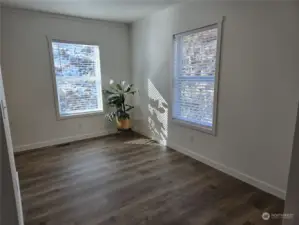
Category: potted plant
<point>116,97</point>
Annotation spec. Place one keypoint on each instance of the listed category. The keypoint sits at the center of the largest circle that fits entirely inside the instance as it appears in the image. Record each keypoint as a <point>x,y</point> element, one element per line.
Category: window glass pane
<point>199,53</point>
<point>78,78</point>
<point>77,96</point>
<point>194,80</point>
<point>74,59</point>
<point>195,101</point>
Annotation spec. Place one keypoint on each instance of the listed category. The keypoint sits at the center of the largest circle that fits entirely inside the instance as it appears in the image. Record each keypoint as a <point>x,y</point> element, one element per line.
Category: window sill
<point>73,116</point>
<point>193,126</point>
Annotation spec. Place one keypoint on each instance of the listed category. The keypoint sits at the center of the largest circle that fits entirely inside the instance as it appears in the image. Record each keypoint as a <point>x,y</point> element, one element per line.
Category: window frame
<point>194,126</point>
<point>54,81</point>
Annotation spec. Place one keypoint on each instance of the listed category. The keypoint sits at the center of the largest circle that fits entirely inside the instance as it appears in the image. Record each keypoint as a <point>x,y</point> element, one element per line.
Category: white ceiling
<point>115,10</point>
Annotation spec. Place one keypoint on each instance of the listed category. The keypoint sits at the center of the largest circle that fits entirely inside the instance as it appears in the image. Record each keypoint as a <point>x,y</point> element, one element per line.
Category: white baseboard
<point>58,141</point>
<point>230,171</point>
<point>225,169</point>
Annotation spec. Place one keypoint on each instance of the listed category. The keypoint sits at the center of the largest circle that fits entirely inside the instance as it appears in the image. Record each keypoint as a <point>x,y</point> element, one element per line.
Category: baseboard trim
<point>264,186</point>
<point>230,171</point>
<point>22,148</point>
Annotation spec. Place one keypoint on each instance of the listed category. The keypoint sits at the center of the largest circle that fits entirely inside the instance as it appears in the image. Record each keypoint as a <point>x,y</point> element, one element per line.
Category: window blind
<point>78,78</point>
<point>194,76</point>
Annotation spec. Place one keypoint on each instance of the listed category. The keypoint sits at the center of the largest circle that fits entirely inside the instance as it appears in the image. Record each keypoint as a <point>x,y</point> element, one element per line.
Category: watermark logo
<point>268,216</point>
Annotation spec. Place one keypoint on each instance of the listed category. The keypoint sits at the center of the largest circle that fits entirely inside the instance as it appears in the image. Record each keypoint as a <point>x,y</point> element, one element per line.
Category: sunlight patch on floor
<point>141,141</point>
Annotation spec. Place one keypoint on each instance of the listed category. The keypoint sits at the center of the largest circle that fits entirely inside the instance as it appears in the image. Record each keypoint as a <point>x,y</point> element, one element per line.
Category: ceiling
<point>114,10</point>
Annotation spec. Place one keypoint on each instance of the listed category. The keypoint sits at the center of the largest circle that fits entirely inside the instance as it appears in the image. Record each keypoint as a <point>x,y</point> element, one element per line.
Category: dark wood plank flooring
<point>129,180</point>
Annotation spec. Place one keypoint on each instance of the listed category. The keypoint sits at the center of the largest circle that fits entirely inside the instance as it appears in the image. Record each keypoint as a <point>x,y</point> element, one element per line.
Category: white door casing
<point>9,148</point>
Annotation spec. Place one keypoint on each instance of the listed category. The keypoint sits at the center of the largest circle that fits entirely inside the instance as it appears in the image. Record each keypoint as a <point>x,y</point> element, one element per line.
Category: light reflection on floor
<point>141,141</point>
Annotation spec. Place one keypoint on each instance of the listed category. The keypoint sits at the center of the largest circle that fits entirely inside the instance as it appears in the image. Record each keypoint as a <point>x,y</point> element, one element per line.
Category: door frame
<point>9,148</point>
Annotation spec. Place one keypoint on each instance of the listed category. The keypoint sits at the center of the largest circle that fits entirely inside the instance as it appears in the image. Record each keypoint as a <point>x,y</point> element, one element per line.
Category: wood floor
<point>129,180</point>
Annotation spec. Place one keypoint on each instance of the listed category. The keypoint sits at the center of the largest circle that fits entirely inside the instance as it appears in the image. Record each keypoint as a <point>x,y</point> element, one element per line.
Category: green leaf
<point>128,88</point>
<point>129,108</point>
<point>115,102</point>
<point>110,116</point>
<point>131,92</point>
<point>114,87</point>
<point>113,99</point>
<point>107,92</point>
<point>119,87</point>
<point>113,96</point>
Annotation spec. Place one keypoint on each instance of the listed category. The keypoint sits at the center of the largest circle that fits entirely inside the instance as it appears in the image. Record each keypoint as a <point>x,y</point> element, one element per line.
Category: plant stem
<point>124,107</point>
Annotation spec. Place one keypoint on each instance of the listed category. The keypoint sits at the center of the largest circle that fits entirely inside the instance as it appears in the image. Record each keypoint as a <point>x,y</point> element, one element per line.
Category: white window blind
<point>77,75</point>
<point>195,77</point>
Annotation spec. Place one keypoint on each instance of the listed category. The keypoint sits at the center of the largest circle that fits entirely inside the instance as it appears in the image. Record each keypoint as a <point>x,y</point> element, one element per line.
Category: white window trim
<point>56,102</point>
<point>205,129</point>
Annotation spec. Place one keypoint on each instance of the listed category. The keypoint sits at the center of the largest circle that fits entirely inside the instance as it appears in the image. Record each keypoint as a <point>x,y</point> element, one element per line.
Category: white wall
<point>259,86</point>
<point>27,73</point>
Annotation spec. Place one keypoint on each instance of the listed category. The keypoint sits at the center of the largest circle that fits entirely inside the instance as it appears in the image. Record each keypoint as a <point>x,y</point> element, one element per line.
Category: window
<point>196,77</point>
<point>77,78</point>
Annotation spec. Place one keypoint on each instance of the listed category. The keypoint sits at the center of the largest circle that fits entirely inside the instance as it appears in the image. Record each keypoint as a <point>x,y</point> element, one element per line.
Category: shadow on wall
<point>158,114</point>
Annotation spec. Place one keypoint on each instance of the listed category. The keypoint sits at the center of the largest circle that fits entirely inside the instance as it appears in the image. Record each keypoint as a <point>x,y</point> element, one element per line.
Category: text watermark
<point>268,216</point>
